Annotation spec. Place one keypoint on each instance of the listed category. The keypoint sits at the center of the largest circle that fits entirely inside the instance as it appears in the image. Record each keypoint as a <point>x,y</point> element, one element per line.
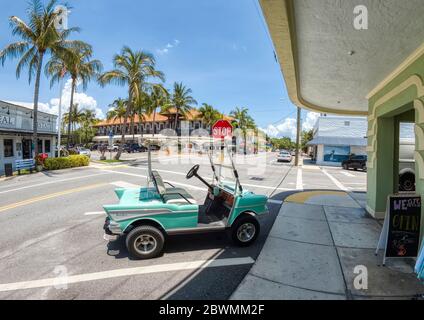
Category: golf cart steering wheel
<point>193,171</point>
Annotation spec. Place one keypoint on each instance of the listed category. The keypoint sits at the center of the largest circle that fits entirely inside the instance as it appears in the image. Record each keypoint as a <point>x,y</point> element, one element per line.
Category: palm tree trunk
<point>176,120</point>
<point>245,142</point>
<point>176,130</point>
<point>154,122</point>
<point>36,96</point>
<point>132,127</point>
<point>70,112</point>
<point>124,130</point>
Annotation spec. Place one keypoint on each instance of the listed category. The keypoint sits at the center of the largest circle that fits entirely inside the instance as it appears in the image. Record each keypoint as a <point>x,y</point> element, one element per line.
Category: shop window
<point>47,148</point>
<point>40,146</point>
<point>8,148</point>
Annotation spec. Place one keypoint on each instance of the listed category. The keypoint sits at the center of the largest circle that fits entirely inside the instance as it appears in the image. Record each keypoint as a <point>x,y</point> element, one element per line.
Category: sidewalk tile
<point>354,235</point>
<point>298,210</point>
<point>335,200</point>
<point>313,267</point>
<point>352,215</point>
<point>254,288</point>
<point>396,279</point>
<point>304,230</point>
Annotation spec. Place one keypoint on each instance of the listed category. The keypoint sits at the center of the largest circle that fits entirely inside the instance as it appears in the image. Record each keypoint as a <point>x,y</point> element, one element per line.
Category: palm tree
<point>182,101</point>
<point>209,115</point>
<point>243,121</point>
<point>88,119</point>
<point>132,69</point>
<point>157,98</point>
<point>140,106</point>
<point>118,111</point>
<point>39,38</point>
<point>77,64</point>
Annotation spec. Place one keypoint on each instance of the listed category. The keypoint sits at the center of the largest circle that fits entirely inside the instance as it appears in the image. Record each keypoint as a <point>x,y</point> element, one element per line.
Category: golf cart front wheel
<point>145,242</point>
<point>245,231</point>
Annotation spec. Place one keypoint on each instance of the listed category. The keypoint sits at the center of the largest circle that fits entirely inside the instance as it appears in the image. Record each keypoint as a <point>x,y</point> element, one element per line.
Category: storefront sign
<point>400,236</point>
<point>7,121</point>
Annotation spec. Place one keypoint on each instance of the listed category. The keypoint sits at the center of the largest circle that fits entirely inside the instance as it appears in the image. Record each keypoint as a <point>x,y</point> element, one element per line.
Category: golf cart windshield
<point>225,172</point>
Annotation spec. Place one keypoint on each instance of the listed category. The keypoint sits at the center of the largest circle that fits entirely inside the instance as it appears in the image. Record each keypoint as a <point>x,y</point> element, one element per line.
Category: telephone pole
<point>298,137</point>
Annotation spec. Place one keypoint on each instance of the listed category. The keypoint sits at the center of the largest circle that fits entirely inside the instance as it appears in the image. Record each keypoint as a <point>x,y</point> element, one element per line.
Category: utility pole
<point>298,137</point>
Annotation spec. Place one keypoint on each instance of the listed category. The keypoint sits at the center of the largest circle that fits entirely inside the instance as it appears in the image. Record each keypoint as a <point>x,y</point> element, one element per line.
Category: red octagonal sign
<point>222,129</point>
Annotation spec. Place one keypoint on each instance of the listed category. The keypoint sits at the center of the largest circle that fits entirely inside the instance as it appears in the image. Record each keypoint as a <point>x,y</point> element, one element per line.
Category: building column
<point>380,177</point>
<point>419,153</point>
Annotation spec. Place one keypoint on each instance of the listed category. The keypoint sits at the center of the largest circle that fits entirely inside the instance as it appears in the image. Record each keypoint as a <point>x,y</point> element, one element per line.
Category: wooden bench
<point>24,164</point>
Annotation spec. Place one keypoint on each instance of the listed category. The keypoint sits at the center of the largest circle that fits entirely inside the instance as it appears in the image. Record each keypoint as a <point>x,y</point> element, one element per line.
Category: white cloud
<point>168,47</point>
<point>310,121</point>
<point>83,100</point>
<point>288,127</point>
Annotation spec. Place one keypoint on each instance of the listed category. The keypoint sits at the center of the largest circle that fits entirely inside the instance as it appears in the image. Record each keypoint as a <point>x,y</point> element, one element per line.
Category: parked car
<point>134,147</point>
<point>154,147</point>
<point>113,148</point>
<point>355,162</point>
<point>284,156</point>
<point>406,165</point>
<point>84,152</point>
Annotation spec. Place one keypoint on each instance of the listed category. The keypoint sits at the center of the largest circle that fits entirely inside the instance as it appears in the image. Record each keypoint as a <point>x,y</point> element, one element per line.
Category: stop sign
<point>222,129</point>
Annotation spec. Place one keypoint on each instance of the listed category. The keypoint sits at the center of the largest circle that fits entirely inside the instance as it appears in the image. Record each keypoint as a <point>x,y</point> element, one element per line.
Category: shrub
<point>66,162</point>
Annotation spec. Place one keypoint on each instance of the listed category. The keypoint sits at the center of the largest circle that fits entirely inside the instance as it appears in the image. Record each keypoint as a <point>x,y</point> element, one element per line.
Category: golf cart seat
<point>178,196</point>
<point>171,195</point>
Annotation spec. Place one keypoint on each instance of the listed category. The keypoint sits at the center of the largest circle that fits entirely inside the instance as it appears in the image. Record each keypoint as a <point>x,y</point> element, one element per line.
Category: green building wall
<point>401,98</point>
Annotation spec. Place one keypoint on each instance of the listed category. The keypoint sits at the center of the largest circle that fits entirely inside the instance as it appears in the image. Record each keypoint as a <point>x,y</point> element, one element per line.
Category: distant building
<point>336,138</point>
<point>146,127</point>
<point>16,129</point>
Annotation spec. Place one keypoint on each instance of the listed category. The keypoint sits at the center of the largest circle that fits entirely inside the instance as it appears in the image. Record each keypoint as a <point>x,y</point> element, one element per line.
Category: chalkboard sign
<point>400,236</point>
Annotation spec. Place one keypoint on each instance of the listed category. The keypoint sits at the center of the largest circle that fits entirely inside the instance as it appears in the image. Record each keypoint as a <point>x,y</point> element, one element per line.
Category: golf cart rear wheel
<point>245,231</point>
<point>145,242</point>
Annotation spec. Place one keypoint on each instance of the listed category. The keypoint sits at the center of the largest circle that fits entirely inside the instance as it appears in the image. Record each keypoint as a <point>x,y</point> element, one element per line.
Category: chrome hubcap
<point>246,232</point>
<point>145,244</point>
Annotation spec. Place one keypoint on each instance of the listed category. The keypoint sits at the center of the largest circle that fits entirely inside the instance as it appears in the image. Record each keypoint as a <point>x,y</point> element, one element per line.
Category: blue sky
<point>218,48</point>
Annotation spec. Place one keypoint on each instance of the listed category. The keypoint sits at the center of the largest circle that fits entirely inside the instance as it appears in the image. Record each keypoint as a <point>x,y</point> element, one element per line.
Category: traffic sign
<point>222,129</point>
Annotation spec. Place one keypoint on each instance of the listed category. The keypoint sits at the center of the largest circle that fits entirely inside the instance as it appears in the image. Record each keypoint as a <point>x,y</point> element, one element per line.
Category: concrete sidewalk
<point>313,248</point>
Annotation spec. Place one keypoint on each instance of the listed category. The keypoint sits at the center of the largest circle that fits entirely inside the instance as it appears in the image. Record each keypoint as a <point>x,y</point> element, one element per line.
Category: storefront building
<point>361,58</point>
<point>16,123</point>
<point>338,138</point>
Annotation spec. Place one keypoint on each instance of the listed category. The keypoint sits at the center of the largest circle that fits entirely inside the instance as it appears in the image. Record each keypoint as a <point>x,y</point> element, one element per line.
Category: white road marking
<point>347,174</point>
<point>264,187</point>
<point>356,183</point>
<point>299,180</point>
<point>95,213</point>
<point>143,176</point>
<point>52,182</point>
<point>335,181</point>
<point>126,185</point>
<point>191,186</point>
<point>201,264</point>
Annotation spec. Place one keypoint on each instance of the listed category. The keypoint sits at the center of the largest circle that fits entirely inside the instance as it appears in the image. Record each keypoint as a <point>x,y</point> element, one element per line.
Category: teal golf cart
<point>147,216</point>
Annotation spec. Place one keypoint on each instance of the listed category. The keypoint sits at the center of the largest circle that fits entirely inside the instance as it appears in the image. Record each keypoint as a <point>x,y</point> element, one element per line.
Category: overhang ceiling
<point>328,65</point>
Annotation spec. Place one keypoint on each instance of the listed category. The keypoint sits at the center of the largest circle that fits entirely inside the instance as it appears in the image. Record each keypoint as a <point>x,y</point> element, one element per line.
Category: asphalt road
<point>52,229</point>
